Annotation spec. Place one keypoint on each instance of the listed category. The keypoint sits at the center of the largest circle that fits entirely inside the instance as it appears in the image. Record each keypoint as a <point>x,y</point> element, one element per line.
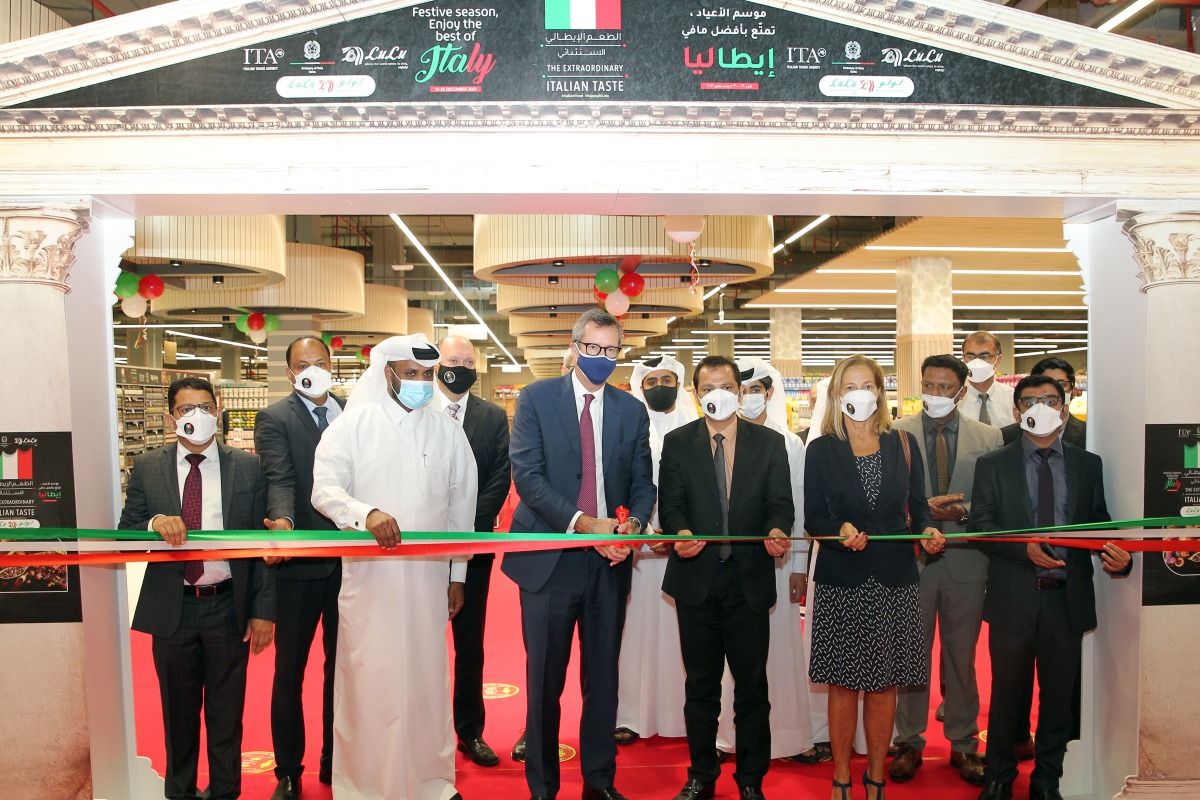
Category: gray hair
<point>601,319</point>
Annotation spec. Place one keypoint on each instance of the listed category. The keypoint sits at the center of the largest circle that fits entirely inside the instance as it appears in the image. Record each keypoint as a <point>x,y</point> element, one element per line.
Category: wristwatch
<point>963,519</point>
<point>635,525</point>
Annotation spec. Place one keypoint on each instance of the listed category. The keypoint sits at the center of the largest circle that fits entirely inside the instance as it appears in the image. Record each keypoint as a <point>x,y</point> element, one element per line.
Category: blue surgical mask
<point>415,394</point>
<point>596,368</point>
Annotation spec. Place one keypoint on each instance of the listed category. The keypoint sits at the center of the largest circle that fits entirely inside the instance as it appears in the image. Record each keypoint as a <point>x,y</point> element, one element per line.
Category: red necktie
<point>193,512</point>
<point>587,444</point>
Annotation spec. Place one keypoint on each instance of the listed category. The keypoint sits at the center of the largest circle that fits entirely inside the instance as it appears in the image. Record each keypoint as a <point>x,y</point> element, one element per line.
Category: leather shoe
<point>969,766</point>
<point>1038,793</point>
<point>695,790</point>
<point>1024,751</point>
<point>995,790</point>
<point>286,789</point>
<point>611,793</point>
<point>940,713</point>
<point>325,772</point>
<point>518,751</point>
<point>478,751</point>
<point>904,765</point>
<point>751,793</point>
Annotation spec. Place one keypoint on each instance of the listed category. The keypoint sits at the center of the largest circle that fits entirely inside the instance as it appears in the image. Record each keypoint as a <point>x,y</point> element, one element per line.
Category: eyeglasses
<point>590,349</point>
<point>1066,385</point>
<point>207,408</point>
<point>985,356</point>
<point>1052,400</point>
<point>666,380</point>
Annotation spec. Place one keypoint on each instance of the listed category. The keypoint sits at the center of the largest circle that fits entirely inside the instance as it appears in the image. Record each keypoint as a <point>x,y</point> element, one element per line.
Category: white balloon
<point>259,336</point>
<point>683,228</point>
<point>616,304</point>
<point>134,306</point>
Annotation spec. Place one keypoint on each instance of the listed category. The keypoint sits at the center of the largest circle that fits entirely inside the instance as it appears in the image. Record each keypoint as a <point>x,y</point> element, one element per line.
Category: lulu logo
<point>449,59</point>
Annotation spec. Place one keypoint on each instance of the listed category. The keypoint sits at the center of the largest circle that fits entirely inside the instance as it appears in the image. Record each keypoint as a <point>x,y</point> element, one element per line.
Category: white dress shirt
<point>212,517</point>
<point>1000,403</point>
<point>597,412</point>
<point>332,405</point>
<point>443,402</point>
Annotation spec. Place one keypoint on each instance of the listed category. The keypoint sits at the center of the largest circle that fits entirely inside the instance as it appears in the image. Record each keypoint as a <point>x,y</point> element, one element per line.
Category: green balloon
<point>607,280</point>
<point>243,323</point>
<point>271,323</point>
<point>127,284</point>
<point>327,338</point>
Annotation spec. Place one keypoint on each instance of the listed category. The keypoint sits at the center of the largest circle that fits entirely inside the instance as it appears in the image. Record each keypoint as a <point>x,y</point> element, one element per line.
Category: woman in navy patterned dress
<point>867,633</point>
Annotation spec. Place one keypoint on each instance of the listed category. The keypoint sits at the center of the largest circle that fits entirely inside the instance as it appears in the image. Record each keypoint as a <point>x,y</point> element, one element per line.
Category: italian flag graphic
<point>16,466</point>
<point>590,14</point>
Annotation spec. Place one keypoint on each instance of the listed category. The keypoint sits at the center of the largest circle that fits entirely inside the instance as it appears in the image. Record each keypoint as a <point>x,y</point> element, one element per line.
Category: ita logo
<point>499,691</point>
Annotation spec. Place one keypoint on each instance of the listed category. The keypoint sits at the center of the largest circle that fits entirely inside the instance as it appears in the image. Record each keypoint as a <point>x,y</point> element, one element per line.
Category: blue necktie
<point>322,422</point>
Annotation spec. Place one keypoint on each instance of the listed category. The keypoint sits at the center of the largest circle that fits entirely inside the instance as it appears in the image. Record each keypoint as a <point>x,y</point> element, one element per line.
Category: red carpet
<point>650,768</point>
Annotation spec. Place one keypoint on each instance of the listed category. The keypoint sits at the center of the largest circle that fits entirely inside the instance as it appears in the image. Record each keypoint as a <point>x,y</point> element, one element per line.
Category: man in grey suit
<point>206,617</point>
<point>580,450</point>
<point>286,434</point>
<point>953,582</point>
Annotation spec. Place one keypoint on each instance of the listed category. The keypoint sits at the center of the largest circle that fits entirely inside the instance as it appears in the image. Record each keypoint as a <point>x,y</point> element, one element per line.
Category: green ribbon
<point>301,536</point>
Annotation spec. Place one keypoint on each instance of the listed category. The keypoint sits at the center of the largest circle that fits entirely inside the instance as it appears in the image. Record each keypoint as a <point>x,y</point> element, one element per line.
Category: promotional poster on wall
<point>1172,489</point>
<point>37,490</point>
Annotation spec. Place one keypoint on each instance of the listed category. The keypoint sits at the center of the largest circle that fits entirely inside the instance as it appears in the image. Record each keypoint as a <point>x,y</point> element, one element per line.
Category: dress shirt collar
<point>930,424</point>
<point>211,454</point>
<point>329,403</point>
<point>1029,449</point>
<point>396,412</point>
<point>729,433</point>
<point>581,390</point>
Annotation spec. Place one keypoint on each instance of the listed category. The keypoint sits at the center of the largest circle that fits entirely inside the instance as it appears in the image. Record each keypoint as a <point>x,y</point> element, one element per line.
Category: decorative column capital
<point>37,244</point>
<point>1166,246</point>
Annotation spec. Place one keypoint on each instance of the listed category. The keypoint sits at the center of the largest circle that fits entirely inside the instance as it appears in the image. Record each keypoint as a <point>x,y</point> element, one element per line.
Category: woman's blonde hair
<point>833,424</point>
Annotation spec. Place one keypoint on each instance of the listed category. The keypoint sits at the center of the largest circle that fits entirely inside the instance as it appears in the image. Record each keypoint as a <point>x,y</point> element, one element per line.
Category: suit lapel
<point>569,415</point>
<point>471,421</point>
<point>227,483</point>
<point>844,454</point>
<point>1018,487</point>
<point>894,464</point>
<point>306,419</point>
<point>704,456</point>
<point>612,424</point>
<point>170,477</point>
<point>1074,468</point>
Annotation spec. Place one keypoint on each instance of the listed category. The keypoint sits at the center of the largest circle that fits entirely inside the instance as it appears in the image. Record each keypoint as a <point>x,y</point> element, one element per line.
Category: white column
<point>924,319</point>
<point>44,748</point>
<point>787,341</point>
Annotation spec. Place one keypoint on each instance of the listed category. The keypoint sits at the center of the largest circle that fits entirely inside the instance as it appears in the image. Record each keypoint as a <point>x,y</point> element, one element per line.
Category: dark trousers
<point>203,665</point>
<point>1053,649</point>
<point>468,628</point>
<point>300,605</point>
<point>724,628</point>
<point>583,590</point>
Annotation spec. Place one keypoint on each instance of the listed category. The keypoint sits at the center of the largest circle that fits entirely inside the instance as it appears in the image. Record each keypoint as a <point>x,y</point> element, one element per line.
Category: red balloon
<point>336,343</point>
<point>632,284</point>
<point>256,321</point>
<point>630,263</point>
<point>599,294</point>
<point>366,353</point>
<point>150,287</point>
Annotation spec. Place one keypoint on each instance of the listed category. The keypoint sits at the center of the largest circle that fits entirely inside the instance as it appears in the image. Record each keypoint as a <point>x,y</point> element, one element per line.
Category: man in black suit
<point>486,427</point>
<point>580,450</point>
<point>1075,431</point>
<point>206,617</point>
<point>1040,599</point>
<point>286,434</point>
<point>719,476</point>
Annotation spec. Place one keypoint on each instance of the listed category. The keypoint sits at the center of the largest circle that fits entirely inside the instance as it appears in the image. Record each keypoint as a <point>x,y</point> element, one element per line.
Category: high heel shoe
<point>868,783</point>
<point>845,788</point>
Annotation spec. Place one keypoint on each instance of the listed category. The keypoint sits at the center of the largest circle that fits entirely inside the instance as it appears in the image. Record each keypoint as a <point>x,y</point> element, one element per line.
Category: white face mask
<point>753,405</point>
<point>719,404</point>
<point>937,406</point>
<point>860,404</point>
<point>196,426</point>
<point>980,370</point>
<point>313,382</point>
<point>1041,420</point>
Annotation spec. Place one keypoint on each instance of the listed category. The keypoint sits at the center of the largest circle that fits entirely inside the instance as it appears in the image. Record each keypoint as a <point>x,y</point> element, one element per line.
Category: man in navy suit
<point>286,434</point>
<point>580,450</point>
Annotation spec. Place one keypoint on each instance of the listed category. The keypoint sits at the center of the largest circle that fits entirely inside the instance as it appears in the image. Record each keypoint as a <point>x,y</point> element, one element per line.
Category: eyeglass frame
<point>187,408</point>
<point>586,349</point>
<point>1052,400</point>
<point>990,358</point>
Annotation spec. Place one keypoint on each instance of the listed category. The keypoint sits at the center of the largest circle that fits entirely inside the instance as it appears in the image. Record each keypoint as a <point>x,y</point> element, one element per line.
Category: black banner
<point>37,490</point>
<point>1172,488</point>
<point>620,51</point>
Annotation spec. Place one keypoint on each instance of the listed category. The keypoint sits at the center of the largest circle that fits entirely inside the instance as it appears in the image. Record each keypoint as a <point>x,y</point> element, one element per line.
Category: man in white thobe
<point>390,463</point>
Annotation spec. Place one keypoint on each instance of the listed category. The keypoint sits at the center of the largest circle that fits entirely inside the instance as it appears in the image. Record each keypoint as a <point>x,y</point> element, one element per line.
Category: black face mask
<point>457,379</point>
<point>661,398</point>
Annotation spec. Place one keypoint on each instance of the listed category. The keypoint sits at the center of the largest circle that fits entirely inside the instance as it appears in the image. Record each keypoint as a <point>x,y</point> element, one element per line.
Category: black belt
<point>1051,584</point>
<point>208,589</point>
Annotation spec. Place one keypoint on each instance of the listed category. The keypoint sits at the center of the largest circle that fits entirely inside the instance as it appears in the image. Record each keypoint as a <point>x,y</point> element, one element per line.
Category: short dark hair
<point>1054,363</point>
<point>1034,381</point>
<point>189,382</point>
<point>984,336</point>
<point>949,362</point>
<point>287,356</point>
<point>713,362</point>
